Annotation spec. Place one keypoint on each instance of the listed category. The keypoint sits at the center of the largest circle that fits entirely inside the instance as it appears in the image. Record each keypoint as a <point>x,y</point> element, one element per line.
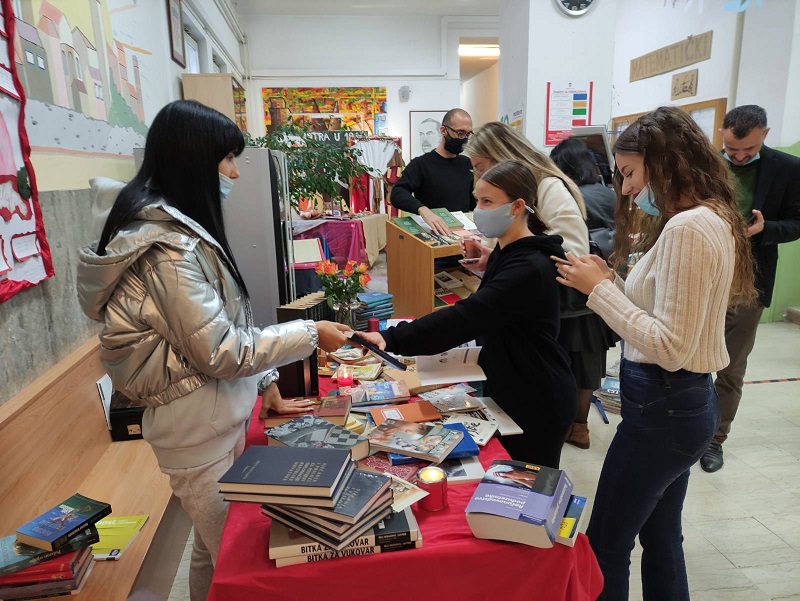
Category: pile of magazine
<point>608,395</point>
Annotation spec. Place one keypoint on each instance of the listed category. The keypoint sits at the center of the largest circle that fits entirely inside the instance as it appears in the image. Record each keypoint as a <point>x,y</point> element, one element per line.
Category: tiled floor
<point>741,524</point>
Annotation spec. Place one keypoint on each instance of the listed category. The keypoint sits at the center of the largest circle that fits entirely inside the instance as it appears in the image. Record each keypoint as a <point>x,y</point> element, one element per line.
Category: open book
<point>453,366</point>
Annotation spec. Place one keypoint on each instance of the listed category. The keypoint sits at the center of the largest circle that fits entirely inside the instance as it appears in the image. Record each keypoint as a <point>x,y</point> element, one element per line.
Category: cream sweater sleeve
<point>664,313</point>
<point>563,216</point>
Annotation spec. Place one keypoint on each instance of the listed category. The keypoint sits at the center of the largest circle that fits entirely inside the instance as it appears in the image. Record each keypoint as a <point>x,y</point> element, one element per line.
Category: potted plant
<point>315,167</point>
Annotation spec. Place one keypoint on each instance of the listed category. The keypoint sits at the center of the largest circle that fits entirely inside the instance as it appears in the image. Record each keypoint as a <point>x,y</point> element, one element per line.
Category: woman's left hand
<point>581,273</point>
<point>271,399</point>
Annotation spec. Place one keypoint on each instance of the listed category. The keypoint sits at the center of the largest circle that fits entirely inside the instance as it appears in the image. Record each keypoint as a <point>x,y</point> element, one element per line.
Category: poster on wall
<point>424,130</point>
<point>568,105</point>
<point>25,258</point>
<point>324,108</point>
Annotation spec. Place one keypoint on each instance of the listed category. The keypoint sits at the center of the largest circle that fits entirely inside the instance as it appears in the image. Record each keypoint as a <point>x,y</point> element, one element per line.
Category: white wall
<point>512,92</point>
<point>790,132</point>
<point>479,96</point>
<point>314,51</point>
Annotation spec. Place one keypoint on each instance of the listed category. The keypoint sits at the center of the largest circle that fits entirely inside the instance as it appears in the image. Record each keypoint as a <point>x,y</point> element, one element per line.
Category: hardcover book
<point>466,447</point>
<point>347,552</point>
<point>294,471</point>
<point>310,431</point>
<point>424,441</point>
<point>519,502</point>
<point>335,409</point>
<point>385,392</point>
<point>83,563</point>
<point>16,556</point>
<point>58,525</point>
<point>568,531</point>
<point>116,535</point>
<point>337,542</point>
<point>329,526</point>
<point>380,463</point>
<point>395,529</point>
<point>362,492</point>
<point>59,568</point>
<point>296,500</point>
<point>421,411</point>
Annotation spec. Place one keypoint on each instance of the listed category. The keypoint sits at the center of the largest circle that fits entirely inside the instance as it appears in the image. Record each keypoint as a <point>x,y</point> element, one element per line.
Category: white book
<point>456,365</point>
<point>480,430</point>
<point>465,221</point>
<point>505,425</point>
<point>462,471</point>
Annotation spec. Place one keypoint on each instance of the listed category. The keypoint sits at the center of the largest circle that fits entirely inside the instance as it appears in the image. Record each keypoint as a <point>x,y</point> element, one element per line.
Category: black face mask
<point>454,145</point>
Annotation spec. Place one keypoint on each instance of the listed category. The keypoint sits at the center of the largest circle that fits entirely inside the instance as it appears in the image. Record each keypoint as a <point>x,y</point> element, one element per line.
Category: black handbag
<point>601,242</point>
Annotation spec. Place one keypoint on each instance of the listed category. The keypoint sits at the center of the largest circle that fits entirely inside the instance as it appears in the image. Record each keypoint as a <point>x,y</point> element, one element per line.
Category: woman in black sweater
<point>514,316</point>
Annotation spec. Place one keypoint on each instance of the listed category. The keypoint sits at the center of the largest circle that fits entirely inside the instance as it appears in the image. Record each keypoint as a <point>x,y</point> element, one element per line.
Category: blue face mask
<point>225,185</point>
<point>753,160</point>
<point>646,201</point>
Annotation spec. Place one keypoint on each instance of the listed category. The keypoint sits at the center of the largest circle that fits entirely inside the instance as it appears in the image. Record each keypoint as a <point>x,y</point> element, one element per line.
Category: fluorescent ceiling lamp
<point>485,50</point>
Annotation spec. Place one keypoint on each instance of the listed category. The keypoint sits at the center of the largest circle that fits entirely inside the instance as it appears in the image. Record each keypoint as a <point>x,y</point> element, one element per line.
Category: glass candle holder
<point>345,377</point>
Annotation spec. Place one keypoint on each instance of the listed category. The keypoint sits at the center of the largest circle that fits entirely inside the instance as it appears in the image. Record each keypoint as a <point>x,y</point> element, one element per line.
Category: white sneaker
<point>613,371</point>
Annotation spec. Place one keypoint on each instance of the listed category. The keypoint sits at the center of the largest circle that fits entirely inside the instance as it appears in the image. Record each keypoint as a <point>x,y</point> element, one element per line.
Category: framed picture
<point>175,17</point>
<point>425,131</point>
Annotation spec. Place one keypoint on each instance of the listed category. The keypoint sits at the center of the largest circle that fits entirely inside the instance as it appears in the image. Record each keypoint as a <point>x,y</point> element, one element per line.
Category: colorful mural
<point>324,108</point>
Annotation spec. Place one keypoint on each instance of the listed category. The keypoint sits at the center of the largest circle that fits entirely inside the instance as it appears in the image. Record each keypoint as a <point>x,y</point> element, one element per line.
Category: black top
<point>600,201</point>
<point>777,196</point>
<point>514,315</point>
<point>435,182</point>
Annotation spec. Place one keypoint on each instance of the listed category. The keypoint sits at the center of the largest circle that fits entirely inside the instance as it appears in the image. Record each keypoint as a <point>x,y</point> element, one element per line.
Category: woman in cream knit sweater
<point>671,313</point>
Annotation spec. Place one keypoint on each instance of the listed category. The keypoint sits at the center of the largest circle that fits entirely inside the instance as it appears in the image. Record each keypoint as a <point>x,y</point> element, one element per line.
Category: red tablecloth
<point>451,565</point>
<point>345,240</point>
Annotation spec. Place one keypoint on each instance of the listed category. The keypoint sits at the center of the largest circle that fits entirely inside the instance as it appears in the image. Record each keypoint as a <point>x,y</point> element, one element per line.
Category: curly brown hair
<point>680,162</point>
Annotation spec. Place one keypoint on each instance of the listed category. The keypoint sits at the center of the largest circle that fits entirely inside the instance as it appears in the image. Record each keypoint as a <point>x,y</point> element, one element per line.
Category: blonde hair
<point>499,142</point>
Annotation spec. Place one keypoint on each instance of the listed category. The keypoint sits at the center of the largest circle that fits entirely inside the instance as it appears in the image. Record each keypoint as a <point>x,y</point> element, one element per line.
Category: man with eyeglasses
<point>441,178</point>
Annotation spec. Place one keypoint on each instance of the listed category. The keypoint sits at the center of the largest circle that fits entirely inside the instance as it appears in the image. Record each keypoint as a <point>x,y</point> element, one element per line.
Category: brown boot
<point>579,435</point>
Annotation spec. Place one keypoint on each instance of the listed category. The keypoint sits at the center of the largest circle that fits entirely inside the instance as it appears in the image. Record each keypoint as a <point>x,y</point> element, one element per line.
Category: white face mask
<point>225,185</point>
<point>493,223</point>
<point>753,160</point>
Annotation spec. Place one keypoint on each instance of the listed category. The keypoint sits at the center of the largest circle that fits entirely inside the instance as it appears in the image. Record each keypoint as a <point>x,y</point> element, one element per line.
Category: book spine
<point>560,504</point>
<point>33,560</point>
<point>346,552</point>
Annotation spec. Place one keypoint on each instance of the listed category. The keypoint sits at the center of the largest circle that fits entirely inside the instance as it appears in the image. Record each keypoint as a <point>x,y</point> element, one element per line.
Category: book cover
<point>421,411</point>
<point>116,535</point>
<point>380,463</point>
<point>456,365</point>
<point>480,430</point>
<point>449,298</point>
<point>493,412</point>
<point>310,431</point>
<point>519,502</point>
<point>59,568</point>
<point>58,525</point>
<point>405,493</point>
<point>568,531</point>
<point>83,563</point>
<point>383,392</point>
<point>396,528</point>
<point>349,551</point>
<point>337,542</point>
<point>362,491</point>
<point>349,355</point>
<point>288,499</point>
<point>294,471</point>
<point>335,409</point>
<point>16,556</point>
<point>424,441</point>
<point>463,471</point>
<point>466,447</point>
<point>370,299</point>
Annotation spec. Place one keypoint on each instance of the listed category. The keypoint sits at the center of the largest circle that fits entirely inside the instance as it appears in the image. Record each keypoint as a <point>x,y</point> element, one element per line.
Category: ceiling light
<point>484,50</point>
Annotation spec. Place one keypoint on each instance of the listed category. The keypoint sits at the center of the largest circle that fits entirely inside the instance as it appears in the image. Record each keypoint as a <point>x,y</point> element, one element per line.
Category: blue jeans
<point>668,419</point>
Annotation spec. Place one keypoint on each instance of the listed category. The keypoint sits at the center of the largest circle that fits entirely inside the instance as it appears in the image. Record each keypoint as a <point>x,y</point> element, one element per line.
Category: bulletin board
<point>708,115</point>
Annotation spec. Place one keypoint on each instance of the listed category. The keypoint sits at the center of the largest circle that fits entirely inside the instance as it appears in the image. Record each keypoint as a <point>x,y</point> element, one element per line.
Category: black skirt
<point>586,339</point>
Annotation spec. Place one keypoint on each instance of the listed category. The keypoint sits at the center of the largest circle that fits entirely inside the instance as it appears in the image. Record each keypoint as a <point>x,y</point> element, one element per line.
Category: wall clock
<point>575,8</point>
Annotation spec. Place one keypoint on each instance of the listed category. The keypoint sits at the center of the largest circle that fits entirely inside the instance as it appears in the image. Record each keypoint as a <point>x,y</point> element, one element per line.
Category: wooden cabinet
<point>220,91</point>
<point>409,270</point>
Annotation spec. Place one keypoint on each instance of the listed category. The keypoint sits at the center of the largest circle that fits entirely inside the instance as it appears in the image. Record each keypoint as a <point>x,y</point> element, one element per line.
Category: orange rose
<point>330,268</point>
<point>362,268</point>
<point>364,279</point>
<point>320,267</point>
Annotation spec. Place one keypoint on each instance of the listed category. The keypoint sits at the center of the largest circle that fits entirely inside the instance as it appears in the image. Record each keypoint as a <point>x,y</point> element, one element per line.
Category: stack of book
<point>313,432</point>
<point>51,555</point>
<point>373,304</point>
<point>396,532</point>
<point>608,395</point>
<point>335,409</point>
<point>317,492</point>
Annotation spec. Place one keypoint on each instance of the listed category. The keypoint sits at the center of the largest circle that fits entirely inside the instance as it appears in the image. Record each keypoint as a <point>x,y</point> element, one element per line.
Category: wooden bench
<point>55,442</point>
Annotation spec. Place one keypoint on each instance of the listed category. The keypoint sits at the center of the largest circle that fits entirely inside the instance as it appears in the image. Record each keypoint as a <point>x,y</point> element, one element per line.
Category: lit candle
<point>345,377</point>
<point>433,480</point>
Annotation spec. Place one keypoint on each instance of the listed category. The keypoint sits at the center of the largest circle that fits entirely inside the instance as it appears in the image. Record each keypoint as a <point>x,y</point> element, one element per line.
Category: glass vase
<point>344,312</point>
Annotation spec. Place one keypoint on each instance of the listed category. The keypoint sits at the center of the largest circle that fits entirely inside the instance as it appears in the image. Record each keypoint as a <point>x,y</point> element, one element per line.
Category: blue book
<point>374,298</point>
<point>467,447</point>
<point>62,523</point>
<point>572,519</point>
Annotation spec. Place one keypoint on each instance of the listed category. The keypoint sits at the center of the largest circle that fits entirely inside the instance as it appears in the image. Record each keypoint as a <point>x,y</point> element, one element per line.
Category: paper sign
<point>568,105</point>
<point>24,246</point>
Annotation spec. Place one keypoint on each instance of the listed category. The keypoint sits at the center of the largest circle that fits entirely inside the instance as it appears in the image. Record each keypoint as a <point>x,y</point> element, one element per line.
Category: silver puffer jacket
<point>173,315</point>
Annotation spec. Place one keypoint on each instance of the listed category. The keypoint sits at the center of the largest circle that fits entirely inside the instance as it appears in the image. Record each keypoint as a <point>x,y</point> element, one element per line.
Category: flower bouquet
<point>342,286</point>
